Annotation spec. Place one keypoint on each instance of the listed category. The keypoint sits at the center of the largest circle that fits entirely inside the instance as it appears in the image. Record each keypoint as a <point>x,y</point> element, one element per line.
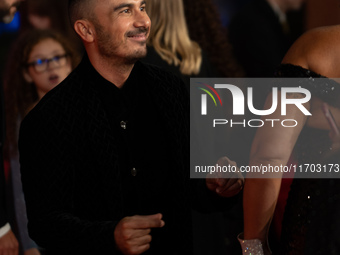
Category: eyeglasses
<point>41,65</point>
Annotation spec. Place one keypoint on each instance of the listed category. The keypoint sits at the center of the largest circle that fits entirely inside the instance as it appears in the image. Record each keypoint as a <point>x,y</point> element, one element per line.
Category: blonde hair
<point>169,35</point>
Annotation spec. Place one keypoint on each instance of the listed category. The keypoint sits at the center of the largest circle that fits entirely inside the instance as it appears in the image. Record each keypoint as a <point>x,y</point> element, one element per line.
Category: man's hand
<point>225,184</point>
<point>9,244</point>
<point>132,234</point>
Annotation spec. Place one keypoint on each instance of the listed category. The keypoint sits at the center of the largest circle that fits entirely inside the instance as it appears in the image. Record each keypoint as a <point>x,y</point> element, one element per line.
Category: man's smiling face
<point>122,28</point>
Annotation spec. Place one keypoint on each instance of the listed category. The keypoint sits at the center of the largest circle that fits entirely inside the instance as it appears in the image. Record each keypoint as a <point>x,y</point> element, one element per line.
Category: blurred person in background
<point>51,14</point>
<point>205,28</point>
<point>8,242</point>
<point>261,35</point>
<point>8,8</point>
<point>169,44</point>
<point>44,14</point>
<point>39,60</point>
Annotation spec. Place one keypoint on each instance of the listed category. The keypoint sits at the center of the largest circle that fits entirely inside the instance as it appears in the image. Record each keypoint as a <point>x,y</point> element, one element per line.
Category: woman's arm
<point>317,51</point>
<point>272,146</point>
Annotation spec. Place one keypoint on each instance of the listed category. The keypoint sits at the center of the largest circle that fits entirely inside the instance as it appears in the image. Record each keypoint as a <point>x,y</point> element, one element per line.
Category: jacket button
<point>133,171</point>
<point>123,124</point>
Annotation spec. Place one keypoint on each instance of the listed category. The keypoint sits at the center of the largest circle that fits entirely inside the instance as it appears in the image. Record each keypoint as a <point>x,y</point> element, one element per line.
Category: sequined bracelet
<point>250,247</point>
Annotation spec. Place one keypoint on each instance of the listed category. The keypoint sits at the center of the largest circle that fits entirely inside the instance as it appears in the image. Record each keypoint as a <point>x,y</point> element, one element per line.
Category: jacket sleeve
<point>48,177</point>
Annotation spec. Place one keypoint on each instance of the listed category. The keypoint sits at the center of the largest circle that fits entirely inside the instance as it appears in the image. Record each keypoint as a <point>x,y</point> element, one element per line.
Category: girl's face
<point>48,65</point>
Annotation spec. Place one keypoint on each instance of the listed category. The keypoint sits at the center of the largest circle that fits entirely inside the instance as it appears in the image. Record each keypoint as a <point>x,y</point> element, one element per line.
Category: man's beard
<point>106,49</point>
<point>5,13</point>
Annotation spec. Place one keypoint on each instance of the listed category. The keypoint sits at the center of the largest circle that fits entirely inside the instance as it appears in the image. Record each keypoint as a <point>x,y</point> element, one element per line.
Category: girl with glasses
<point>39,61</point>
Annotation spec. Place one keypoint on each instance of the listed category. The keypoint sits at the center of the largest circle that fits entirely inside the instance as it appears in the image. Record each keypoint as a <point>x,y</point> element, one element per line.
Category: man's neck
<point>115,71</point>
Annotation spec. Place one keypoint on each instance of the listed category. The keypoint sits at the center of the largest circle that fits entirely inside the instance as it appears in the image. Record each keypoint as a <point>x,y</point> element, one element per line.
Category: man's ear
<point>85,30</point>
<point>27,76</point>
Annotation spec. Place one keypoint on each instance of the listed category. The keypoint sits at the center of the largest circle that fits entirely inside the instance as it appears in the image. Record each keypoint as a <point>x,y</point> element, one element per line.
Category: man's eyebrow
<point>121,6</point>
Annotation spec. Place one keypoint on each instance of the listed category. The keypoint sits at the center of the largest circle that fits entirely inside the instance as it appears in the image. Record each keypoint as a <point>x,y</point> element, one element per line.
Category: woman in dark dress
<point>310,224</point>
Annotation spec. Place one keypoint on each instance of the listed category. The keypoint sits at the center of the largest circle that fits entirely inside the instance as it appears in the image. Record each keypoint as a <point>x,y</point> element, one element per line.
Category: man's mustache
<point>138,31</point>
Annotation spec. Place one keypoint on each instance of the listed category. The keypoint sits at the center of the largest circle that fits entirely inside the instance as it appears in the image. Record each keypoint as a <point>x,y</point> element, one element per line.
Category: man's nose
<point>142,20</point>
